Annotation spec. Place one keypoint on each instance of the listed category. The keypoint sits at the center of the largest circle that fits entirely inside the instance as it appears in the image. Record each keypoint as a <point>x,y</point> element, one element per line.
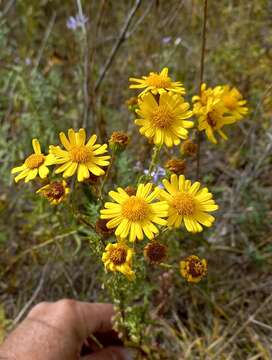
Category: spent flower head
<point>118,141</point>
<point>193,269</point>
<point>155,252</point>
<point>55,192</point>
<point>118,257</point>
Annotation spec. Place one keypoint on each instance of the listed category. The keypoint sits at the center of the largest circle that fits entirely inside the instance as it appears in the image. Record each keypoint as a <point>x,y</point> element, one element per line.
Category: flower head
<point>135,215</point>
<point>118,257</point>
<point>35,164</point>
<point>55,192</point>
<point>176,166</point>
<point>118,141</point>
<point>156,174</point>
<point>77,21</point>
<point>188,203</point>
<point>216,108</point>
<point>80,157</point>
<point>193,269</point>
<point>155,252</point>
<point>188,147</point>
<point>164,122</point>
<point>157,83</point>
<point>234,103</point>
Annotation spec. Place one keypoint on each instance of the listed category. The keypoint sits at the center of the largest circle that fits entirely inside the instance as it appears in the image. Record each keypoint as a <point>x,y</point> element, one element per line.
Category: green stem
<point>204,29</point>
<point>100,196</point>
<point>153,163</point>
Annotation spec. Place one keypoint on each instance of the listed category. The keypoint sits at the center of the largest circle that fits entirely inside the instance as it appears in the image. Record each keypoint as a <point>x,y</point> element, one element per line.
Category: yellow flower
<point>35,164</point>
<point>55,192</point>
<point>193,269</point>
<point>134,215</point>
<point>118,257</point>
<point>164,122</point>
<point>234,103</point>
<point>188,203</point>
<point>216,108</point>
<point>157,83</point>
<point>80,157</point>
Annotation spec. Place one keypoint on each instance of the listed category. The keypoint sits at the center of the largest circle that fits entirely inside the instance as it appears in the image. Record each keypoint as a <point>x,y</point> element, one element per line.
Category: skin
<point>55,331</point>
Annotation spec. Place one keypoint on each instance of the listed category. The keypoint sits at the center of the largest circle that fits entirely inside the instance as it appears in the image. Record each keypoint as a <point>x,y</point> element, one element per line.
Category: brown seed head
<point>130,190</point>
<point>189,148</point>
<point>118,140</point>
<point>155,252</point>
<point>176,166</point>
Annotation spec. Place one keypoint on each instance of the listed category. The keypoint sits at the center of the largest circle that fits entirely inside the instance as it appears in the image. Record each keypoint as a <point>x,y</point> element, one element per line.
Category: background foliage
<point>47,253</point>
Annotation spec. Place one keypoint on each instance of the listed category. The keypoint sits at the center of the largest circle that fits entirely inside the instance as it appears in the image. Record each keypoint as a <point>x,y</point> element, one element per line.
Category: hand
<point>57,331</point>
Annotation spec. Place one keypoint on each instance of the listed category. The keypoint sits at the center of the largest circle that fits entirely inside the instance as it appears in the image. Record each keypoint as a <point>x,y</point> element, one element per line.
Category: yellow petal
<point>36,146</point>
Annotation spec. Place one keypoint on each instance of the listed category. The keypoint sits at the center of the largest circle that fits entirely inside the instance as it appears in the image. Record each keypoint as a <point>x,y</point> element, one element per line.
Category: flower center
<point>118,255</point>
<point>162,117</point>
<point>80,154</point>
<point>211,119</point>
<point>184,204</point>
<point>34,161</point>
<point>135,209</point>
<point>55,191</point>
<point>158,81</point>
<point>230,102</point>
<point>196,268</point>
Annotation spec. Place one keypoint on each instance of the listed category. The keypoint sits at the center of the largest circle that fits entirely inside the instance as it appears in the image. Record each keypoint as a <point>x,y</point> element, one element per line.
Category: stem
<point>106,177</point>
<point>85,67</point>
<point>154,159</point>
<point>201,75</point>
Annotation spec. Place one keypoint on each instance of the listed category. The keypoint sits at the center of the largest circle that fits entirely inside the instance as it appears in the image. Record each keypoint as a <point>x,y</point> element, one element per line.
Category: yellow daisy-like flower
<point>35,164</point>
<point>216,108</point>
<point>135,215</point>
<point>234,103</point>
<point>80,157</point>
<point>118,257</point>
<point>188,203</point>
<point>157,83</point>
<point>193,269</point>
<point>211,118</point>
<point>164,122</point>
<point>55,192</point>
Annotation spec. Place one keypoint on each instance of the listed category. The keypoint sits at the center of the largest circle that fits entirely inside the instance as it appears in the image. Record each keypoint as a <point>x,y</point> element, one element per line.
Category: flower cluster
<point>162,109</point>
<point>166,200</point>
<point>78,156</point>
<point>217,107</point>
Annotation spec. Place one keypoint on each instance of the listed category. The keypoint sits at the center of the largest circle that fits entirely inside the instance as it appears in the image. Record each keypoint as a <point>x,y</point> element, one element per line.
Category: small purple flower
<point>75,22</point>
<point>156,174</point>
<point>166,39</point>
